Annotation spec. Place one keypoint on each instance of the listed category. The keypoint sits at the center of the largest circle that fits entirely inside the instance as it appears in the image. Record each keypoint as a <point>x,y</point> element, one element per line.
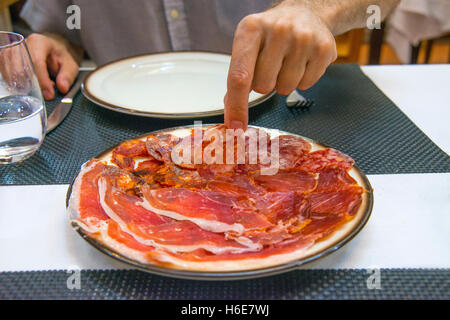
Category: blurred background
<point>417,32</point>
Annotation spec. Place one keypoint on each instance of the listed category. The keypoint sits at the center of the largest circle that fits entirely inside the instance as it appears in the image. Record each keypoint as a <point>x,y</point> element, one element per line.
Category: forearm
<point>343,15</point>
<point>288,46</point>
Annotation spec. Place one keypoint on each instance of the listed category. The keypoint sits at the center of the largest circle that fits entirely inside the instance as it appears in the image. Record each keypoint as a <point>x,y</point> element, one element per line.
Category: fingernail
<point>235,124</point>
<point>65,84</point>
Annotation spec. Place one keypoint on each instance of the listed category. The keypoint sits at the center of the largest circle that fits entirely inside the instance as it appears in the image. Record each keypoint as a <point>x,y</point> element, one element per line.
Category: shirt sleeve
<point>50,16</point>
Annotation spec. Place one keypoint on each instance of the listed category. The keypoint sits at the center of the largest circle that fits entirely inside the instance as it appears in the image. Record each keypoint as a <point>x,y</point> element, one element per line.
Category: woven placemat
<point>302,284</point>
<point>350,114</point>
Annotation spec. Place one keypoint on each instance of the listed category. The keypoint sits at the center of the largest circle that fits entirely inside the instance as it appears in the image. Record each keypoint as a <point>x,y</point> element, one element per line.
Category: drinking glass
<point>23,119</point>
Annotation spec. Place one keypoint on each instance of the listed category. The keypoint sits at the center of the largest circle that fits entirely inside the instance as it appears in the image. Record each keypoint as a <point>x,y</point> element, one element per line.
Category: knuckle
<point>239,79</point>
<point>250,23</point>
<point>281,28</point>
<point>236,109</point>
<point>324,47</point>
<point>304,36</point>
<point>298,40</point>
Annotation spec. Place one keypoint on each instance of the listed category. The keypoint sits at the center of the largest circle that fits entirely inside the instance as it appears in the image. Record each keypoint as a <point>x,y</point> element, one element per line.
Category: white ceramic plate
<point>246,269</point>
<point>164,85</point>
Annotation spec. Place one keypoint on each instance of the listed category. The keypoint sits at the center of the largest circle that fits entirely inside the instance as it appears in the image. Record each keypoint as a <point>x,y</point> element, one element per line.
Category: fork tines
<point>296,101</point>
<point>302,104</point>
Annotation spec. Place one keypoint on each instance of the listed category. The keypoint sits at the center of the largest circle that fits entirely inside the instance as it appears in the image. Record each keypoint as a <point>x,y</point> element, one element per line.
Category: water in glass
<point>22,110</point>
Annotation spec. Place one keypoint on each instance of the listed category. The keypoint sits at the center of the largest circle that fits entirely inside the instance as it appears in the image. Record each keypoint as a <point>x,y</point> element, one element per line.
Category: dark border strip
<point>300,284</point>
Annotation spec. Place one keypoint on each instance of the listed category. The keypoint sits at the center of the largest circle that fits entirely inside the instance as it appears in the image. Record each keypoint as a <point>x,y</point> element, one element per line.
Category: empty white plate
<point>164,85</point>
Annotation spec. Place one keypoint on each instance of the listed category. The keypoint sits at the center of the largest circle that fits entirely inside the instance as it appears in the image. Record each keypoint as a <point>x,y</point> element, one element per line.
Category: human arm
<point>288,46</point>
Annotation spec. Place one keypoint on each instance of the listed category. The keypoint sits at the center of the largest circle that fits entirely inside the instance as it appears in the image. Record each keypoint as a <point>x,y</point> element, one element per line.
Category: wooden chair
<point>348,46</point>
<point>5,16</point>
<point>376,42</point>
<point>428,47</point>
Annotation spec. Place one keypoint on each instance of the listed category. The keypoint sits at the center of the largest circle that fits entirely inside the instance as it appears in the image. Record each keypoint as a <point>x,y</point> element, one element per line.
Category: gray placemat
<point>302,284</point>
<point>350,114</point>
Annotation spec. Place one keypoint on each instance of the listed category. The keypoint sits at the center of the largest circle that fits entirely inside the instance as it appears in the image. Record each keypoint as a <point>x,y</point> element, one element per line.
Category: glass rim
<point>19,41</point>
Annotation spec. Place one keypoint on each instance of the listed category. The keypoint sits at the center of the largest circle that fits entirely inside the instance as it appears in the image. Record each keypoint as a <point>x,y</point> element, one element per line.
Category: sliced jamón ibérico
<point>85,199</point>
<point>151,229</point>
<point>319,225</point>
<point>171,175</point>
<point>287,180</point>
<point>211,171</point>
<point>160,146</point>
<point>291,149</point>
<point>334,202</point>
<point>281,206</point>
<point>318,160</point>
<point>334,179</point>
<point>210,210</point>
<point>336,192</point>
<point>169,213</point>
<point>124,154</point>
<point>236,186</point>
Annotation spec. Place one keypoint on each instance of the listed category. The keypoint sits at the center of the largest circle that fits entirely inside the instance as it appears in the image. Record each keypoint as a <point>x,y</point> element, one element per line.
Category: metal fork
<point>296,101</point>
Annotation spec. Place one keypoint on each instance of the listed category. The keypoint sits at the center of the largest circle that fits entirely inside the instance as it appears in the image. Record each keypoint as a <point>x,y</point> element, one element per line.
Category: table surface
<point>409,226</point>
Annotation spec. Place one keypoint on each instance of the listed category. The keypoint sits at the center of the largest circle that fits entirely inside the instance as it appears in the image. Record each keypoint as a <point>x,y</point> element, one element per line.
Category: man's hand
<point>56,56</point>
<point>287,47</point>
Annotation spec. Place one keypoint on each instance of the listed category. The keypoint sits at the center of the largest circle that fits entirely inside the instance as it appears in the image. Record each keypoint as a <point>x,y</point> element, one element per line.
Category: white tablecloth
<point>409,226</point>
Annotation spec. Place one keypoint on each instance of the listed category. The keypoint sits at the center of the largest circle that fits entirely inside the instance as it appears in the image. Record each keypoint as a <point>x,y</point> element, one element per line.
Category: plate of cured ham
<point>212,220</point>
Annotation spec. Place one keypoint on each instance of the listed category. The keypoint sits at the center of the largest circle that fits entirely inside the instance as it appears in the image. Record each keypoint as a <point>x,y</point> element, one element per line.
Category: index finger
<point>246,44</point>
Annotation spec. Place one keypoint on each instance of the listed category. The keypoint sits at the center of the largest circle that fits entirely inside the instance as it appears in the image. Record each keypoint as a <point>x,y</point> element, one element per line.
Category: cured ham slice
<point>334,179</point>
<point>171,175</point>
<point>236,186</point>
<point>240,150</point>
<point>321,225</point>
<point>160,146</point>
<point>154,230</point>
<point>318,160</point>
<point>211,171</point>
<point>147,169</point>
<point>115,232</point>
<point>84,203</point>
<point>211,211</point>
<point>125,153</point>
<point>291,149</point>
<point>298,181</point>
<point>335,202</point>
<point>281,206</point>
